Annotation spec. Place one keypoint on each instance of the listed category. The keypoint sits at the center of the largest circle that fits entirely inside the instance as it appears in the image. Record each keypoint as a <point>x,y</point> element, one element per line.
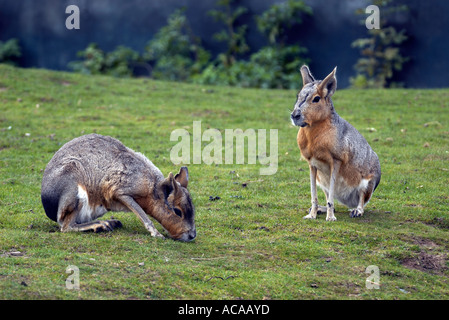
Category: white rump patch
<point>87,213</point>
<point>363,184</point>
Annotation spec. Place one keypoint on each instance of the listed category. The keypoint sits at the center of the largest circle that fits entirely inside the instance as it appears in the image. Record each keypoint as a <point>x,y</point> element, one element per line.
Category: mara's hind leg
<point>323,209</point>
<point>94,226</point>
<point>364,197</point>
<point>319,210</point>
<point>358,212</point>
<point>68,215</point>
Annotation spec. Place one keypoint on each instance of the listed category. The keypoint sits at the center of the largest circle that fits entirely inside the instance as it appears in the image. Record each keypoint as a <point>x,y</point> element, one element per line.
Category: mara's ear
<point>183,177</point>
<point>168,185</point>
<point>328,86</point>
<point>306,75</point>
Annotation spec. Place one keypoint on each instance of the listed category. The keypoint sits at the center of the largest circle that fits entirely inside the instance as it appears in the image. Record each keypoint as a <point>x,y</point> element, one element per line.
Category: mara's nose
<point>295,117</point>
<point>188,236</point>
<point>192,235</point>
<point>295,114</point>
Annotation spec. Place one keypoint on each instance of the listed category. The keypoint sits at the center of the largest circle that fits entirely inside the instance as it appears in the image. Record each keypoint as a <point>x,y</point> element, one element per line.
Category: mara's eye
<point>178,212</point>
<point>316,99</point>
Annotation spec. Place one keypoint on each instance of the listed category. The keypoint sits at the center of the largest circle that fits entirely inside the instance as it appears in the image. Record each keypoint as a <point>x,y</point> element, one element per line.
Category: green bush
<point>175,52</point>
<point>270,67</point>
<point>381,54</point>
<point>281,61</point>
<point>275,21</point>
<point>10,51</point>
<point>117,63</point>
<point>273,66</point>
<point>93,60</point>
<point>278,67</point>
<point>234,34</point>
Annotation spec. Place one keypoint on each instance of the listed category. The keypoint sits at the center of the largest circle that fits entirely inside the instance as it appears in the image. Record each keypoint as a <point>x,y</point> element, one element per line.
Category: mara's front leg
<point>330,196</point>
<point>132,205</point>
<point>315,207</point>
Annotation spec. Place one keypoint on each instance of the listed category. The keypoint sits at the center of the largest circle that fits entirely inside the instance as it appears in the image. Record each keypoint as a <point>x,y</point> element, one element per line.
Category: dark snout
<point>297,118</point>
<point>191,235</point>
<point>188,236</point>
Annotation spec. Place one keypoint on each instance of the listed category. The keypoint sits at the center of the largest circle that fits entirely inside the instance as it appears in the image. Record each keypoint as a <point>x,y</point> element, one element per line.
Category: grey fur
<point>350,147</point>
<point>114,178</point>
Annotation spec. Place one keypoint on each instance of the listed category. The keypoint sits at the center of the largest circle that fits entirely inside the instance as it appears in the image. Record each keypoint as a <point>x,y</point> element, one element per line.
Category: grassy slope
<point>255,235</point>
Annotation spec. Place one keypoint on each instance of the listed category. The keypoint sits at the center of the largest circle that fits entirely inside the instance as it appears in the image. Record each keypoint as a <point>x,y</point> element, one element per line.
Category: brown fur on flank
<point>94,174</point>
<point>340,159</point>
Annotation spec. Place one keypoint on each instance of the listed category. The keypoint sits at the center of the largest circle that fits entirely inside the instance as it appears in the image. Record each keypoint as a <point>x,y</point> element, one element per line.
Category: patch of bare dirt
<point>440,223</point>
<point>426,262</point>
<point>425,243</point>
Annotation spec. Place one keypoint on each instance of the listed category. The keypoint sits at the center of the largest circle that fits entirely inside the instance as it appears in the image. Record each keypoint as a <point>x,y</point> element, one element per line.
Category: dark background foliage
<point>327,34</point>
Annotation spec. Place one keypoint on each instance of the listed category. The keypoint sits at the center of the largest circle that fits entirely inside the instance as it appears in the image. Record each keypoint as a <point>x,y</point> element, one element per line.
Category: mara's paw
<point>330,216</point>
<point>312,213</point>
<point>106,225</point>
<point>114,224</point>
<point>93,226</point>
<point>309,216</point>
<point>356,213</point>
<point>321,209</point>
<point>157,234</point>
<point>153,231</point>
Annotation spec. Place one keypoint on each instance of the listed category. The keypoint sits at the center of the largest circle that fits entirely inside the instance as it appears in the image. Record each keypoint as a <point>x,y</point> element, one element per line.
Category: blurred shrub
<point>270,67</point>
<point>279,18</point>
<point>117,63</point>
<point>175,52</point>
<point>10,51</point>
<point>381,51</point>
<point>280,59</point>
<point>93,60</point>
<point>273,66</point>
<point>234,33</point>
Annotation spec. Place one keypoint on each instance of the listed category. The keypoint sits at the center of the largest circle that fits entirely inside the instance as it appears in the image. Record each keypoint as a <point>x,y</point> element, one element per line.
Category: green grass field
<point>252,242</point>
